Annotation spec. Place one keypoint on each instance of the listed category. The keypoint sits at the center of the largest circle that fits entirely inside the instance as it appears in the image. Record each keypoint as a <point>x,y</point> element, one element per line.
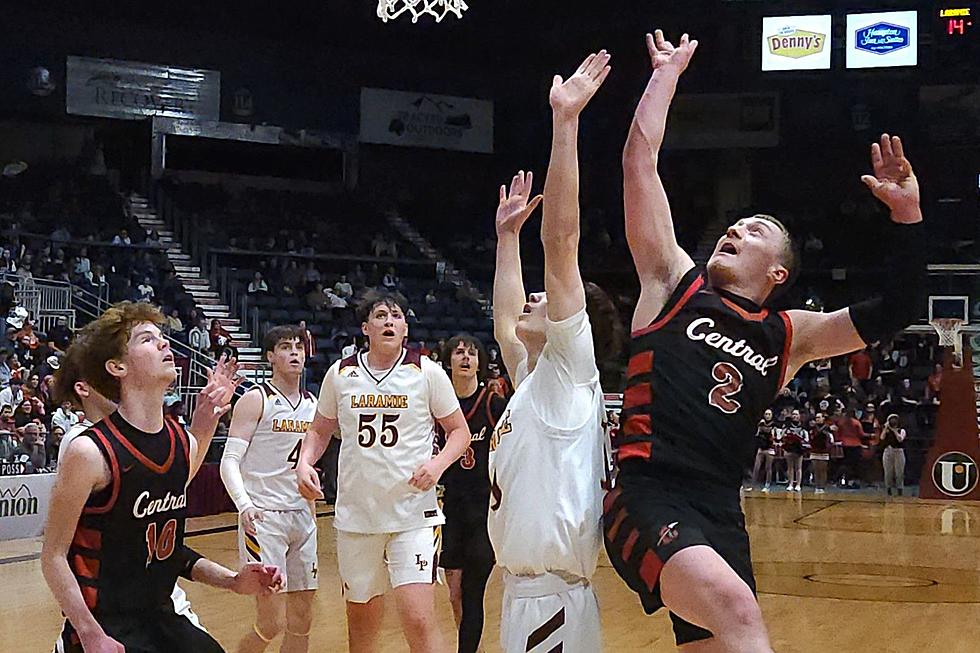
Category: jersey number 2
<point>161,547</point>
<point>729,384</point>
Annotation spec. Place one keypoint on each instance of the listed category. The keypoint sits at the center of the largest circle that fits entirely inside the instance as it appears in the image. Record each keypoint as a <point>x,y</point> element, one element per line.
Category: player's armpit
<point>819,335</point>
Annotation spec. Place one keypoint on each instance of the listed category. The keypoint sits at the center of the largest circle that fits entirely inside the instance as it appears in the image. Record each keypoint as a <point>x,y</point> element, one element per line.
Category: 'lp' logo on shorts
<point>420,562</point>
<point>955,474</point>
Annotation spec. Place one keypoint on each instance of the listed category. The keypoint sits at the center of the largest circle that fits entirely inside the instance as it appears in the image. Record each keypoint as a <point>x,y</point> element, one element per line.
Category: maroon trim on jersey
<point>630,543</point>
<point>613,529</point>
<point>87,538</point>
<point>412,357</point>
<point>744,314</point>
<point>641,363</point>
<point>476,404</point>
<point>638,424</point>
<point>695,286</point>
<point>172,425</point>
<point>131,448</point>
<point>639,394</point>
<point>116,480</point>
<point>642,450</point>
<point>787,344</point>
<point>85,567</point>
<point>350,361</point>
<point>650,568</point>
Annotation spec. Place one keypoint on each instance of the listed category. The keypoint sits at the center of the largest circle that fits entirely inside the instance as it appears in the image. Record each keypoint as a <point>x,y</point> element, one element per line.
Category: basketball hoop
<point>949,329</point>
<point>391,9</point>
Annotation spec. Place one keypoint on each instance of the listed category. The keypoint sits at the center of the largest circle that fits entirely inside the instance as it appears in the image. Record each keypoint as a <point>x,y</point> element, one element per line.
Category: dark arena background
<point>245,165</point>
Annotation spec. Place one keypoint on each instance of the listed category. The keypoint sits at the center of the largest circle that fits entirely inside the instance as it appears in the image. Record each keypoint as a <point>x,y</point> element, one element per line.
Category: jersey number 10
<point>160,547</point>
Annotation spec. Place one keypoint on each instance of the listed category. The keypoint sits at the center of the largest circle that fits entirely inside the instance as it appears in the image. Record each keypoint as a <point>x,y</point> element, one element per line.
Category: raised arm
<point>560,222</point>
<point>902,284</point>
<point>660,261</point>
<point>213,402</point>
<point>513,210</point>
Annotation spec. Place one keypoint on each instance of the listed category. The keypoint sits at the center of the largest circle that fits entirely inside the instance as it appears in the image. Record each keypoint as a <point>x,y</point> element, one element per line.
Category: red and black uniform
<point>128,547</point>
<point>466,500</point>
<point>699,379</point>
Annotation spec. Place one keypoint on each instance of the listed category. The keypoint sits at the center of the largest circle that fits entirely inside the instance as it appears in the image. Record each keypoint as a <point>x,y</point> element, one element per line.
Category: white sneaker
<point>798,488</point>
<point>765,488</point>
<point>820,491</point>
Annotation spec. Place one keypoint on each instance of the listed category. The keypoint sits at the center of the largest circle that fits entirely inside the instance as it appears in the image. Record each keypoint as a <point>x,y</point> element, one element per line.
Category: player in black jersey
<point>467,555</point>
<point>113,545</point>
<point>706,359</point>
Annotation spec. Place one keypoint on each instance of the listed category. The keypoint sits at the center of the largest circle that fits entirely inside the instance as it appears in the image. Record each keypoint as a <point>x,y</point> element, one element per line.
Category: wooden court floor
<point>837,573</point>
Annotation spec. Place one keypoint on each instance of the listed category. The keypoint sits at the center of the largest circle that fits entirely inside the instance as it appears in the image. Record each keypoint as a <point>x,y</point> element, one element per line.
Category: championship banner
<point>131,90</point>
<point>425,120</point>
<point>24,502</point>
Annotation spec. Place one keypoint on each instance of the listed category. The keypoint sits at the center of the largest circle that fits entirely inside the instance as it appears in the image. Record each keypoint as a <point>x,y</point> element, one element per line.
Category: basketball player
<point>71,387</point>
<point>706,360</point>
<point>277,525</point>
<point>113,545</point>
<point>548,457</point>
<point>466,554</point>
<point>386,402</point>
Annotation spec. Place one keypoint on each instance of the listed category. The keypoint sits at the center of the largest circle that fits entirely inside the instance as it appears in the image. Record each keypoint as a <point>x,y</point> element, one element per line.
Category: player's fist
<point>101,643</point>
<point>426,476</point>
<point>309,482</point>
<point>249,517</point>
<point>256,579</point>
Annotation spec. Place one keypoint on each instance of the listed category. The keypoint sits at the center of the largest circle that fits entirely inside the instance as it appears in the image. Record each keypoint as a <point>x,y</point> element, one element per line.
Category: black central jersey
<point>700,377</point>
<point>122,553</point>
<point>469,477</point>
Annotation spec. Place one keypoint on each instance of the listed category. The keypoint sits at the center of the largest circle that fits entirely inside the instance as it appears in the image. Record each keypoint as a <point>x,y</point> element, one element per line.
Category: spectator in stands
<point>220,336</point>
<point>358,278</point>
<point>145,290</point>
<point>25,413</point>
<point>849,432</point>
<point>7,444</point>
<point>64,416</point>
<point>316,299</point>
<point>334,300</point>
<point>83,265</point>
<point>794,440</point>
<point>821,441</point>
<point>31,450</point>
<point>292,278</point>
<point>61,234</point>
<point>13,394</point>
<point>309,343</point>
<point>899,399</point>
<point>430,297</point>
<point>59,335</point>
<point>343,288</point>
<point>258,285</point>
<point>765,450</point>
<point>96,277</point>
<point>933,387</point>
<point>893,454</point>
<point>870,426</point>
<point>391,281</point>
<point>4,368</point>
<point>311,276</point>
<point>54,445</point>
<point>198,339</point>
<point>860,368</point>
<point>153,239</point>
<point>122,238</point>
<point>172,323</point>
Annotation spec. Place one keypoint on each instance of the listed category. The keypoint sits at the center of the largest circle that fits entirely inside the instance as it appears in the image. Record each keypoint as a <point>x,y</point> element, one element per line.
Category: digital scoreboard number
<point>957,21</point>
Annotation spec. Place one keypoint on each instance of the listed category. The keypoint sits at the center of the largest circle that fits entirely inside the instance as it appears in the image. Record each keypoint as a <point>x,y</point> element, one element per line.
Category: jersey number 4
<point>367,434</point>
<point>160,547</point>
<point>729,384</point>
<point>293,456</point>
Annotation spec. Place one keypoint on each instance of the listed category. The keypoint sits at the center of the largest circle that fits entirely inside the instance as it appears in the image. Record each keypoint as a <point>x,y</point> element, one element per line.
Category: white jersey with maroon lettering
<point>387,425</point>
<point>273,452</point>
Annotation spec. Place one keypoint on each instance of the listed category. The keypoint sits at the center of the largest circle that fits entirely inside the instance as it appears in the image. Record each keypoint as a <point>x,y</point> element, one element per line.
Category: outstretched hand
<point>569,97</point>
<point>663,54</point>
<point>893,181</point>
<point>514,209</point>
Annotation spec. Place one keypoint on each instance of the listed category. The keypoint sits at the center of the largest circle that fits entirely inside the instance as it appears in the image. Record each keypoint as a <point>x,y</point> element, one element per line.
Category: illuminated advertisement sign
<point>882,40</point>
<point>796,42</point>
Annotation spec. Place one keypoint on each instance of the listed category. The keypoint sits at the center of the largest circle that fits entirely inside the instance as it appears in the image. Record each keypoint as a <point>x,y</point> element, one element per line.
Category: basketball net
<point>391,9</point>
<point>948,329</point>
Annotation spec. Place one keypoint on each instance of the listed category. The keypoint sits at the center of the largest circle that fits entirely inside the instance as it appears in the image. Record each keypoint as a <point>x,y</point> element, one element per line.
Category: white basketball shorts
<point>545,613</point>
<point>287,539</point>
<point>371,563</point>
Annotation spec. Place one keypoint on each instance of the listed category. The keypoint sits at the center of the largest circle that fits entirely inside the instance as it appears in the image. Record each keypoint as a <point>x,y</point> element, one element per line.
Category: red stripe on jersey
<point>91,596</point>
<point>116,479</point>
<point>635,450</point>
<point>149,464</point>
<point>787,344</point>
<point>746,315</point>
<point>610,499</point>
<point>182,434</point>
<point>637,425</point>
<point>695,286</point>
<point>641,363</point>
<point>650,568</point>
<point>630,543</point>
<point>476,404</point>
<point>88,538</point>
<point>638,395</point>
<point>614,527</point>
<point>85,567</point>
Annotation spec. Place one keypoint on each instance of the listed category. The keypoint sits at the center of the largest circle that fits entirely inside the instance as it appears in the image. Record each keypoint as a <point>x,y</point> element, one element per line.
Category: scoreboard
<point>957,22</point>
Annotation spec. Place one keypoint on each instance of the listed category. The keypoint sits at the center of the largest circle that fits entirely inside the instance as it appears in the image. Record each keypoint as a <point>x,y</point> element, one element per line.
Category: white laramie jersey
<point>547,481</point>
<point>269,464</point>
<point>387,426</point>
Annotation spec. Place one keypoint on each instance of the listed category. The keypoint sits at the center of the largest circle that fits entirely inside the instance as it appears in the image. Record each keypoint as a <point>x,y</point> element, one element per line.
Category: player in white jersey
<point>548,455</point>
<point>386,403</point>
<point>71,387</point>
<point>277,525</point>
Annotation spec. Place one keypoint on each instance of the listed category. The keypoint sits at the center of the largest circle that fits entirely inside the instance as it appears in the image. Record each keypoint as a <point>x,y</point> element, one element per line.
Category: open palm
<point>514,209</point>
<point>663,54</point>
<point>893,181</point>
<point>569,97</point>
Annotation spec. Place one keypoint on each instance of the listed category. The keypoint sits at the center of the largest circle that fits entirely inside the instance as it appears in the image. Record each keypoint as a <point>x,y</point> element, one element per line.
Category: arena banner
<point>426,120</point>
<point>24,502</point>
<point>133,90</point>
<point>883,39</point>
<point>796,42</point>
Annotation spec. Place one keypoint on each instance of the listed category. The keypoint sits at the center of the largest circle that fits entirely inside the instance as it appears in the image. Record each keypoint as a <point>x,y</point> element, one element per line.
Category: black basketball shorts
<point>465,540</point>
<point>160,631</point>
<point>644,524</point>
